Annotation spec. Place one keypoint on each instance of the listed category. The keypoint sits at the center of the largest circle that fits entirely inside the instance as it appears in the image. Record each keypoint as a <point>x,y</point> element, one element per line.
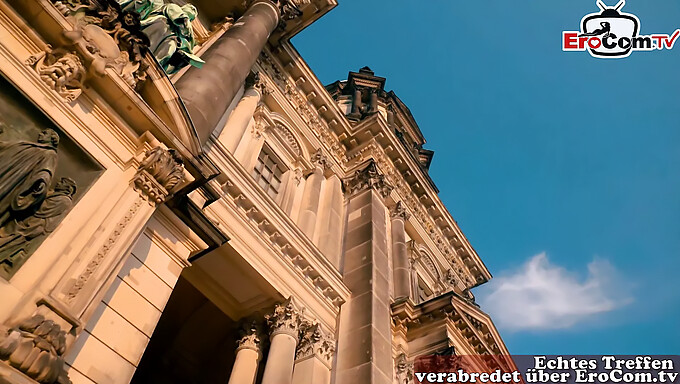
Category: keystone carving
<point>368,178</point>
<point>315,342</point>
<point>159,172</point>
<point>61,70</point>
<point>36,348</point>
<point>286,318</point>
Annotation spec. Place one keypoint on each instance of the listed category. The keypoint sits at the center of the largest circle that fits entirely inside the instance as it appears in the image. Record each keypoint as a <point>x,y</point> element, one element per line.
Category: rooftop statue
<point>168,27</point>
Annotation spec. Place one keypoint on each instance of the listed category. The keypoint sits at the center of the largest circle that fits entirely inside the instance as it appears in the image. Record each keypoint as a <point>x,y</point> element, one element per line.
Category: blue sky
<point>561,169</point>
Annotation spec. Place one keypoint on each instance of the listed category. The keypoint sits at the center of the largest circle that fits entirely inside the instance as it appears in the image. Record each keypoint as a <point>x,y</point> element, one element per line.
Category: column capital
<point>158,173</point>
<point>255,81</point>
<point>289,9</point>
<point>319,160</point>
<point>398,211</point>
<point>316,343</point>
<point>250,338</point>
<point>368,178</point>
<point>286,318</point>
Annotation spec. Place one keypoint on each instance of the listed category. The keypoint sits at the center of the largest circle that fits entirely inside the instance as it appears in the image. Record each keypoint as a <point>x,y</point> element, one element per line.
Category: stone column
<point>365,336</point>
<point>312,193</point>
<point>284,325</point>
<point>314,357</point>
<point>238,121</point>
<point>247,358</point>
<point>400,263</point>
<point>207,92</point>
<point>330,237</point>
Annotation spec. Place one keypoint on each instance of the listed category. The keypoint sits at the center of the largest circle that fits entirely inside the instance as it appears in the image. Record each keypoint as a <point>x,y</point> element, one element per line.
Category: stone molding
<point>449,308</point>
<point>301,104</point>
<point>450,246</point>
<point>368,178</point>
<point>285,319</point>
<point>158,173</point>
<point>314,342</point>
<point>295,256</point>
<point>447,238</point>
<point>35,348</point>
<point>103,252</point>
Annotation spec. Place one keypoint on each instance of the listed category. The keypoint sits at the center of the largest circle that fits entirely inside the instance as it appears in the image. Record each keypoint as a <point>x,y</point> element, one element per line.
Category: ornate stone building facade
<point>182,201</point>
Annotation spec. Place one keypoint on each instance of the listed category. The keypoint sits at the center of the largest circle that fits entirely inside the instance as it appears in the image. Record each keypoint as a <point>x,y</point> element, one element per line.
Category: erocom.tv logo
<point>614,34</point>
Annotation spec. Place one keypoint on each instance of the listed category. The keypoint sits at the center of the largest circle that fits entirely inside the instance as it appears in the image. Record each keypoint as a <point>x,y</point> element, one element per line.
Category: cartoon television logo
<point>614,34</point>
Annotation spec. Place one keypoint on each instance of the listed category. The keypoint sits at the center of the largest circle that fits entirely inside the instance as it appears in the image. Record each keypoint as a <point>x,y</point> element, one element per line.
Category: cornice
<point>479,334</point>
<point>333,129</point>
<point>275,228</point>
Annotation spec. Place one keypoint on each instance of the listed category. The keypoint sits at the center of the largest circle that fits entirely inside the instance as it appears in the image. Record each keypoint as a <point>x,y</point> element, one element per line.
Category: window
<point>269,171</point>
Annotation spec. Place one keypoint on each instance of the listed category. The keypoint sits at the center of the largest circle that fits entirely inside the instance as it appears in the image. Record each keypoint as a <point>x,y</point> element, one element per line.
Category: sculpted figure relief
<point>168,27</point>
<point>29,211</point>
<point>26,170</point>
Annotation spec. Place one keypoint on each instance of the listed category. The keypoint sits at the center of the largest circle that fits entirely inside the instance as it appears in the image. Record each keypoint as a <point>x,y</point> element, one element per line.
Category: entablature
<point>372,138</point>
<point>464,323</point>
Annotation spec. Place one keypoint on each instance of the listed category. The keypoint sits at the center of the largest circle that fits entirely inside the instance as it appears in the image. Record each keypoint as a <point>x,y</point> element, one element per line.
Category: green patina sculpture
<point>168,27</point>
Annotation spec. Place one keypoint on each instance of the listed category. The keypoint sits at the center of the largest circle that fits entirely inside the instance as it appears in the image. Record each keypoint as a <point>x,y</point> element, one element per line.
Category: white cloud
<point>541,295</point>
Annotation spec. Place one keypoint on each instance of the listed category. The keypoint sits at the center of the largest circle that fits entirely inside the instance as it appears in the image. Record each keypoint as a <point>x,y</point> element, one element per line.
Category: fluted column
<point>330,236</point>
<point>207,92</point>
<point>312,193</point>
<point>400,264</point>
<point>240,118</point>
<point>314,357</point>
<point>247,357</point>
<point>284,325</point>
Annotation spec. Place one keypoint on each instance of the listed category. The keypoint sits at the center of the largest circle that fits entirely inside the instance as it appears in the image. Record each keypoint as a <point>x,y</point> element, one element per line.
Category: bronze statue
<point>20,236</point>
<point>168,27</point>
<point>26,171</point>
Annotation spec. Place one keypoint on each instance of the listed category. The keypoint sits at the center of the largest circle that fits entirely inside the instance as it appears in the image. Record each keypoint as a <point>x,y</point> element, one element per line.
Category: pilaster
<point>365,338</point>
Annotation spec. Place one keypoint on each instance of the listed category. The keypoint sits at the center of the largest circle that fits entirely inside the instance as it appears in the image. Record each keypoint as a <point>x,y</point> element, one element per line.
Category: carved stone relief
<point>36,348</point>
<point>61,70</point>
<point>315,342</point>
<point>286,318</point>
<point>42,173</point>
<point>368,178</point>
<point>110,37</point>
<point>159,172</point>
<point>403,369</point>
